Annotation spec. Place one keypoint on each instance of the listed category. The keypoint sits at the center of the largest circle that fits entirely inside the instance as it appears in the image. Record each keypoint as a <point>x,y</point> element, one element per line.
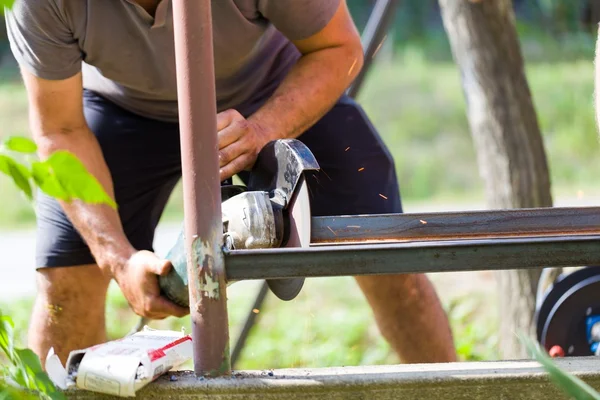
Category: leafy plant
<point>62,175</point>
<point>574,387</point>
<point>24,377</point>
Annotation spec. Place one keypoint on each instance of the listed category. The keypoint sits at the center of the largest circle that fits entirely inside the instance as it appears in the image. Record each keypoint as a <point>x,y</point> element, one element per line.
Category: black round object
<point>561,318</point>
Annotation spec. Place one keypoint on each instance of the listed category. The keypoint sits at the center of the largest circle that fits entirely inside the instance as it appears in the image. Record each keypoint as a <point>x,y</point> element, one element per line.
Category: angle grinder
<point>272,211</point>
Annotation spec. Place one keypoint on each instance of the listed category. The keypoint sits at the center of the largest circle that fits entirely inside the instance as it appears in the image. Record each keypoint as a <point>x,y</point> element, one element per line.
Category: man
<point>100,78</point>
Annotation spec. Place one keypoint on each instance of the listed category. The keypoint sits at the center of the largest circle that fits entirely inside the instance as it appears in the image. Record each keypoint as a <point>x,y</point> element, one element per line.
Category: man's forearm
<point>309,91</point>
<point>99,225</point>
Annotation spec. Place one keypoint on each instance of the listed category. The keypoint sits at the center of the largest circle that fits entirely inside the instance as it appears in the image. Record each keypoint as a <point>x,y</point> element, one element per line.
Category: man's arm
<point>58,123</point>
<point>330,61</point>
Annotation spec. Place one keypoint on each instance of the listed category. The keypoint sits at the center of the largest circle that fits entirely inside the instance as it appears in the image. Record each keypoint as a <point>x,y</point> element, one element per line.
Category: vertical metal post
<point>374,34</point>
<point>201,186</point>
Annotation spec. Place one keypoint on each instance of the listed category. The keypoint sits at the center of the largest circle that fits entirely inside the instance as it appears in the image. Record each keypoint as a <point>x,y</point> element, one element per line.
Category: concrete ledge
<point>478,380</point>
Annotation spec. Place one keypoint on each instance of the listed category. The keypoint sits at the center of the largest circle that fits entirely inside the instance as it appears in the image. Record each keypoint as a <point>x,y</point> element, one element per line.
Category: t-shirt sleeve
<point>298,19</point>
<point>41,40</point>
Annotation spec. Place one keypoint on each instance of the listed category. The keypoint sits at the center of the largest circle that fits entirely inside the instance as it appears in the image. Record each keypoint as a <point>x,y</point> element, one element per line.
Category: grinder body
<point>256,216</point>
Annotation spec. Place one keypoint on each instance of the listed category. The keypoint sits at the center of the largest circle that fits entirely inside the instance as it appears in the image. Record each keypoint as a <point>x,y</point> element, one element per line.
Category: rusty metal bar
<point>417,257</point>
<point>456,225</point>
<point>201,186</point>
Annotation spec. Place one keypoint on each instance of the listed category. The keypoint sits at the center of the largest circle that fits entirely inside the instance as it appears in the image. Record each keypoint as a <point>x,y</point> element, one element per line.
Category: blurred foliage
<point>419,19</point>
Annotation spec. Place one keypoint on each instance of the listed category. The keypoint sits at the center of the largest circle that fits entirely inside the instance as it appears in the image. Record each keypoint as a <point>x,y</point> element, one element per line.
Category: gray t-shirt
<point>127,56</point>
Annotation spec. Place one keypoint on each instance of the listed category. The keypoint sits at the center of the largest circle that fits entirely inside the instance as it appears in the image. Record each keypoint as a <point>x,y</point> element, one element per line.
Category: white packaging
<point>124,366</point>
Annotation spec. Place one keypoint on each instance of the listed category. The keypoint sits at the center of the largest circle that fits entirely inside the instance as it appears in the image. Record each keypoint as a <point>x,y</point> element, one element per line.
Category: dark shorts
<point>357,175</point>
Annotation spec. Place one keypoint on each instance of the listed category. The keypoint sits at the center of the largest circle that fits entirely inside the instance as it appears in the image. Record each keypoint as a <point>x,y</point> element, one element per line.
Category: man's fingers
<point>172,309</point>
<point>230,135</point>
<point>225,118</point>
<point>161,267</point>
<point>159,307</point>
<point>231,152</point>
<point>235,166</point>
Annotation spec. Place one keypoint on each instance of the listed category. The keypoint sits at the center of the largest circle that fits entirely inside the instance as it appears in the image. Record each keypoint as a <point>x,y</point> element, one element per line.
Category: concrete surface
<point>482,380</point>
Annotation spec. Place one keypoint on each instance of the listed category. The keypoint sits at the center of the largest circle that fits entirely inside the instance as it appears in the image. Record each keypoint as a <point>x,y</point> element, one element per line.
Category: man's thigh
<point>143,157</point>
<point>357,173</point>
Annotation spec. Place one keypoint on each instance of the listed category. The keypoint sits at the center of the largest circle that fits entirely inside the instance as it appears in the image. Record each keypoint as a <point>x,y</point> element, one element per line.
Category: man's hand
<point>138,281</point>
<point>240,141</point>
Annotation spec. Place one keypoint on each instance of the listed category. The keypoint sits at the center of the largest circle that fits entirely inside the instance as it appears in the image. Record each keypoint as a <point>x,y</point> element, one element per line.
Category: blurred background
<point>414,97</point>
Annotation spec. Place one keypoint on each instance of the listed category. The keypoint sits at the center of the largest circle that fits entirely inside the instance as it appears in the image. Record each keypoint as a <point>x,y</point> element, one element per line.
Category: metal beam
<point>415,257</point>
<point>457,225</point>
<point>201,186</point>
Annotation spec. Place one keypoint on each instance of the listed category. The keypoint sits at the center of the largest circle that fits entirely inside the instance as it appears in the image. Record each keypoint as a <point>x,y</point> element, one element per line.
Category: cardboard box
<point>124,366</point>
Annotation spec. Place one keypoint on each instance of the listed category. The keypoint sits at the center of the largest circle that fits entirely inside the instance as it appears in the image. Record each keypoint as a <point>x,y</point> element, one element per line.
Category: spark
<point>353,226</point>
<point>361,169</point>
<point>347,148</point>
<point>382,196</point>
<point>332,231</point>
<point>423,222</point>
<point>256,311</point>
<point>352,67</point>
<point>580,194</point>
<point>379,47</point>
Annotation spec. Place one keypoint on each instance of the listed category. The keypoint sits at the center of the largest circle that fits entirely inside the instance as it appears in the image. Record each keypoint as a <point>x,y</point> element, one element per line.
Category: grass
<point>304,333</point>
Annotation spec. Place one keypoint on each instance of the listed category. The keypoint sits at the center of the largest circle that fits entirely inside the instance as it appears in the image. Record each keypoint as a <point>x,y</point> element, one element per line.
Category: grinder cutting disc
<point>298,224</point>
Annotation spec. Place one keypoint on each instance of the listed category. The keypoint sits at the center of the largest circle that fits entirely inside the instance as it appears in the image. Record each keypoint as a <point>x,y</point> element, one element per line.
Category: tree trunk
<point>504,126</point>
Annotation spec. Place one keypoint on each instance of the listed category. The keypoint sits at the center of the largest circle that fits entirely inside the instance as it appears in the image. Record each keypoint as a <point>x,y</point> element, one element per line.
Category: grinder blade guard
<point>273,210</point>
<point>568,313</point>
<point>281,170</point>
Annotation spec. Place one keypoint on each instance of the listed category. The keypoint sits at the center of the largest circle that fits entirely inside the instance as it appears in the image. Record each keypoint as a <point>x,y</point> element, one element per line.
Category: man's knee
<point>410,287</point>
<point>66,284</point>
<point>68,313</point>
<point>71,294</point>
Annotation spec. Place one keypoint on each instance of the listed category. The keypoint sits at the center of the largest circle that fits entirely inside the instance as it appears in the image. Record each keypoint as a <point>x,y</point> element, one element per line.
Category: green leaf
<point>9,392</point>
<point>45,178</point>
<point>24,375</point>
<point>571,385</point>
<point>7,3</point>
<point>7,336</point>
<point>18,172</point>
<point>75,180</point>
<point>20,145</point>
<point>32,369</point>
